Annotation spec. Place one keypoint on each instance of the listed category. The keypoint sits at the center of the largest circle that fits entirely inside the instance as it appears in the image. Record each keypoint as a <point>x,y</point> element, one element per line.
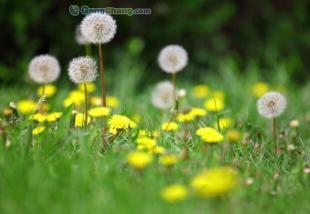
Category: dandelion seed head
<point>98,28</point>
<point>80,39</point>
<point>82,70</point>
<point>172,58</point>
<point>162,95</point>
<point>272,104</point>
<point>44,69</point>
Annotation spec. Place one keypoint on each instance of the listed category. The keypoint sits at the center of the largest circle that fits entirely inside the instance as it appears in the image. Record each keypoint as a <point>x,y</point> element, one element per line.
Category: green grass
<point>64,171</point>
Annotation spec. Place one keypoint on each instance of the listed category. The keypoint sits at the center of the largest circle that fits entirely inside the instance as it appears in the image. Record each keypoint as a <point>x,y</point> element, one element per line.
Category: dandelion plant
<point>83,70</point>
<point>44,69</point>
<point>99,28</point>
<point>271,105</point>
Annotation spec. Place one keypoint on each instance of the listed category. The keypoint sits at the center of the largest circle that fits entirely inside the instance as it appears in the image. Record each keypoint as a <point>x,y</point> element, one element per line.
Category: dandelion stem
<point>217,116</point>
<point>274,131</point>
<point>174,82</point>
<point>87,50</point>
<point>85,104</point>
<point>102,75</point>
<point>43,89</point>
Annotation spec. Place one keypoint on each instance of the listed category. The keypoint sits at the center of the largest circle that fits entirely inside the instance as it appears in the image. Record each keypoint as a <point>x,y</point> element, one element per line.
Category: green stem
<point>174,82</point>
<point>87,50</point>
<point>274,131</point>
<point>85,104</point>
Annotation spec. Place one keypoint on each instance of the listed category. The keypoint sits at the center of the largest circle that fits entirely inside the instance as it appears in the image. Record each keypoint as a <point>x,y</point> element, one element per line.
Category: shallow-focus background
<point>257,34</point>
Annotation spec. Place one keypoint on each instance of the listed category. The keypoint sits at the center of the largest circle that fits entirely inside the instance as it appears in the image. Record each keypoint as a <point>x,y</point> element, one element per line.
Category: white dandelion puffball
<point>172,58</point>
<point>271,104</point>
<point>82,70</point>
<point>162,95</point>
<point>98,28</point>
<point>80,39</point>
<point>44,69</point>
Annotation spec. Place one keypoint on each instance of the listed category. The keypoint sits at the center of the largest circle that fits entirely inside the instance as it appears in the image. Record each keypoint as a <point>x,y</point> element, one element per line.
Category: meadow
<point>54,158</point>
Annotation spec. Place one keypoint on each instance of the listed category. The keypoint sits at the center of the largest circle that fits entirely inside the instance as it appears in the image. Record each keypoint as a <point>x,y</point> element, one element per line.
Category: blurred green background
<point>263,33</point>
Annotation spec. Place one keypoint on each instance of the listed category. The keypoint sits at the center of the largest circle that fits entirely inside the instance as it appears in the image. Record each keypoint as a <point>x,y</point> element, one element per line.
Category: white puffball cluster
<point>79,38</point>
<point>82,70</point>
<point>44,69</point>
<point>172,58</point>
<point>98,28</point>
<point>162,95</point>
<point>271,104</point>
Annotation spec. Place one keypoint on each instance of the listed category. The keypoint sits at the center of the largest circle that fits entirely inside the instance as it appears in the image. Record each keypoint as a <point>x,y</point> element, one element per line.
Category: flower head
<point>214,104</point>
<point>200,91</point>
<point>119,123</point>
<point>162,95</point>
<point>233,135</point>
<point>209,135</point>
<point>139,160</point>
<point>80,120</point>
<point>44,69</point>
<point>145,143</point>
<point>99,112</point>
<point>172,58</point>
<point>26,106</point>
<point>82,70</point>
<point>272,104</point>
<point>80,39</point>
<point>168,160</point>
<point>174,193</point>
<point>98,28</point>
<point>169,126</point>
<point>215,182</point>
<point>38,130</point>
<point>49,90</point>
<point>259,89</point>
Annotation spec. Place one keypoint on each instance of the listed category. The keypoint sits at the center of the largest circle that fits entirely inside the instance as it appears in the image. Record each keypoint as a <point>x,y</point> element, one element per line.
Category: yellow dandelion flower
<point>146,143</point>
<point>174,193</point>
<point>91,87</point>
<point>233,135</point>
<point>26,106</point>
<point>143,133</point>
<point>159,150</point>
<point>139,160</point>
<point>198,112</point>
<point>224,122</point>
<point>80,120</point>
<point>50,90</point>
<point>155,134</point>
<point>200,91</point>
<point>169,126</point>
<point>168,160</point>
<point>209,135</point>
<point>136,118</point>
<point>40,118</point>
<point>75,97</point>
<point>96,101</point>
<point>214,104</point>
<point>215,182</point>
<point>52,117</point>
<point>38,130</point>
<point>218,95</point>
<point>119,123</point>
<point>112,102</point>
<point>185,117</point>
<point>260,88</point>
<point>99,112</point>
